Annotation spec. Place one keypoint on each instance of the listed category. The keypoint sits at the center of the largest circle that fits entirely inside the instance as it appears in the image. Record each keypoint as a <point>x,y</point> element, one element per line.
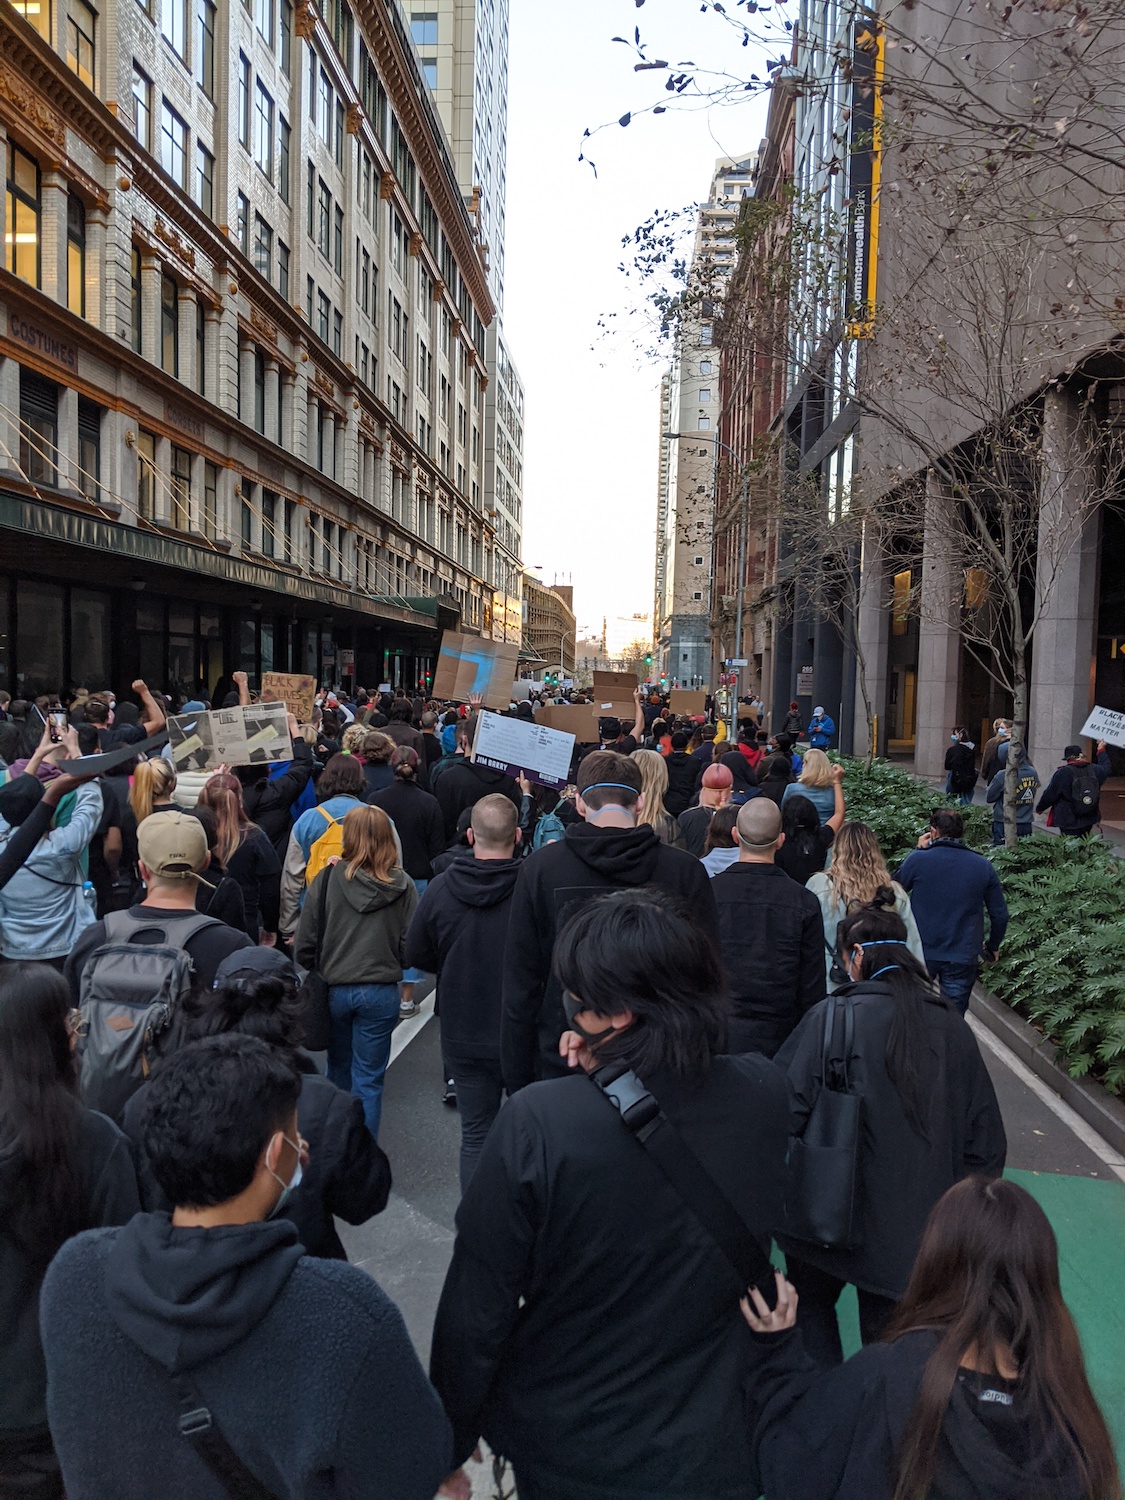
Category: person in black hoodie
<point>460,926</point>
<point>464,783</point>
<point>63,1169</point>
<point>930,1118</point>
<point>604,852</point>
<point>961,765</point>
<point>303,1367</point>
<point>348,1175</point>
<point>979,1391</point>
<point>684,775</point>
<point>587,1327</point>
<point>269,803</point>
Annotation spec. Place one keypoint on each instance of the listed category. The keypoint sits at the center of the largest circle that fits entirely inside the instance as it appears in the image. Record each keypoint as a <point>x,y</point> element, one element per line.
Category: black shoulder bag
<point>641,1113</point>
<point>821,1191</point>
<point>198,1427</point>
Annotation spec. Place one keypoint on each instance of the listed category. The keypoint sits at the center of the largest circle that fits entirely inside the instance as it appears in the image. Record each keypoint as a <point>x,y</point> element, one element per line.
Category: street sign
<point>738,661</point>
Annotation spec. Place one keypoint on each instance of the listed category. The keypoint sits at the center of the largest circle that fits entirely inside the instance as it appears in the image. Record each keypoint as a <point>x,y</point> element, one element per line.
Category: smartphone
<point>58,724</point>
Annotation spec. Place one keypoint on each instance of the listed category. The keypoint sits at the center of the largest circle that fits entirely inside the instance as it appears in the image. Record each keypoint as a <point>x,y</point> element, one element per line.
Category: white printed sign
<point>1105,724</point>
<point>519,746</point>
<point>245,736</point>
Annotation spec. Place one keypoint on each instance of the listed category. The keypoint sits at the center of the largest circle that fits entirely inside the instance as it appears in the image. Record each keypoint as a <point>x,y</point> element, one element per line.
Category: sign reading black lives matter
<point>252,735</point>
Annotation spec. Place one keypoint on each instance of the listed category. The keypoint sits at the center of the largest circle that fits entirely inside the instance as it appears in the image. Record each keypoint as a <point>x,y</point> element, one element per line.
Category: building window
<point>39,428</point>
<point>37,13</point>
<point>89,449</point>
<point>310,293</point>
<point>705,395</point>
<point>181,489</point>
<point>247,522</point>
<point>205,180</point>
<point>704,424</point>
<point>263,248</point>
<point>200,347</point>
<point>706,334</point>
<point>269,524</point>
<point>242,223</point>
<point>135,297</point>
<point>338,241</point>
<point>207,12</point>
<point>699,562</point>
<point>173,144</point>
<point>283,269</point>
<point>210,516</point>
<point>263,18</point>
<point>146,476</point>
<point>173,23</point>
<point>263,131</point>
<point>259,390</point>
<point>705,367</point>
<point>21,234</point>
<point>323,310</point>
<point>429,71</point>
<point>142,108</point>
<point>697,596</point>
<point>80,22</point>
<point>424,29</point>
<point>283,137</point>
<point>244,99</point>
<point>76,255</point>
<point>337,332</point>
<point>169,326</point>
<point>286,36</point>
<point>324,221</point>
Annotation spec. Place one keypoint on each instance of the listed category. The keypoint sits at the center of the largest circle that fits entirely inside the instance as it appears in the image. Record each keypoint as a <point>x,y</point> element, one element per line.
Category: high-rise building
<point>689,400</point>
<point>242,349</point>
<point>462,49</point>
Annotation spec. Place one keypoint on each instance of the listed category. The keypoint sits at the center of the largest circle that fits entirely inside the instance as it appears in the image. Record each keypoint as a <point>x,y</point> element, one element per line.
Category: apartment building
<point>242,348</point>
<point>549,629</point>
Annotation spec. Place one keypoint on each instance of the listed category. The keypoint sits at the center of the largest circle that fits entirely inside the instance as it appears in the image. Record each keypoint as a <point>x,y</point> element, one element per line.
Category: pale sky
<point>592,405</point>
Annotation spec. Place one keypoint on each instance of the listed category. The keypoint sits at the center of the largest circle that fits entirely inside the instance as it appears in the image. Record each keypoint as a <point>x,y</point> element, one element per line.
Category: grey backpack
<point>129,998</point>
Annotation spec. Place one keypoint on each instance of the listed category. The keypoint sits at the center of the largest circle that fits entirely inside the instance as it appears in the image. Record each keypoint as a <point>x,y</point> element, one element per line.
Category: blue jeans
<point>480,1088</point>
<point>363,1017</point>
<point>956,981</point>
<point>414,976</point>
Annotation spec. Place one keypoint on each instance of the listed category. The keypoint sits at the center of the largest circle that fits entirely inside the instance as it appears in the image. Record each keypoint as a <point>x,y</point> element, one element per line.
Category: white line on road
<point>1059,1107</point>
<point>405,1032</point>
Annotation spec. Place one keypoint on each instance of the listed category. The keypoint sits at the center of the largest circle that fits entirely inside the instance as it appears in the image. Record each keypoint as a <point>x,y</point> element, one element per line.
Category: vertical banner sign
<point>864,167</point>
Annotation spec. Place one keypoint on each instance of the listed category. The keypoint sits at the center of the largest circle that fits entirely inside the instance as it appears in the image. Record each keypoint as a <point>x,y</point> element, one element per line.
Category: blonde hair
<point>222,793</point>
<point>654,784</point>
<point>858,868</point>
<point>354,736</point>
<point>816,769</point>
<point>152,779</point>
<point>369,843</point>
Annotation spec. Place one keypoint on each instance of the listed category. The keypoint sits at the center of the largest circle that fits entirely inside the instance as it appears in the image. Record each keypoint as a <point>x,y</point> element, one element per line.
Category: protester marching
<point>689,1017</point>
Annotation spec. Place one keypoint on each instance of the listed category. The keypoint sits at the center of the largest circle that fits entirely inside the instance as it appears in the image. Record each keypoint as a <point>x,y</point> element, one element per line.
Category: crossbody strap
<point>199,1428</point>
<point>641,1113</point>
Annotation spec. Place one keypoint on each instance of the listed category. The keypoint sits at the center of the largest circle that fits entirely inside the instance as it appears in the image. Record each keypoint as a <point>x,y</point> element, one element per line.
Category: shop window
<point>40,628</point>
<point>76,255</point>
<point>89,637</point>
<point>39,428</point>
<point>900,617</point>
<point>22,230</point>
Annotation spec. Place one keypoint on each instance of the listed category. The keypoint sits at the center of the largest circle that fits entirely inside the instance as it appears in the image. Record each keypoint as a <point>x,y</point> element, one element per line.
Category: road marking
<point>1059,1107</point>
<point>405,1032</point>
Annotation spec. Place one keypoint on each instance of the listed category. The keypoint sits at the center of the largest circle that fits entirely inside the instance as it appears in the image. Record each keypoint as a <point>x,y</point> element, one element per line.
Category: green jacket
<point>364,926</point>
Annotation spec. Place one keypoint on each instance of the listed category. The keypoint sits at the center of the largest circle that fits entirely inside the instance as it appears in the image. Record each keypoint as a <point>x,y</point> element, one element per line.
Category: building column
<point>298,438</point>
<point>273,401</point>
<point>185,315</point>
<point>212,341</point>
<point>52,236</point>
<point>161,481</point>
<point>873,633</point>
<point>195,507</point>
<point>67,456</point>
<point>1066,584</point>
<point>349,471</point>
<point>10,415</point>
<point>939,639</point>
<point>285,391</point>
<point>150,308</point>
<point>246,383</point>
<point>120,463</point>
<point>98,312</point>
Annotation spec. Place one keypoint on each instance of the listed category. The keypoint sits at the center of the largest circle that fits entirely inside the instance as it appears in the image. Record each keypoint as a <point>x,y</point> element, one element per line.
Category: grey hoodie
<point>364,930</point>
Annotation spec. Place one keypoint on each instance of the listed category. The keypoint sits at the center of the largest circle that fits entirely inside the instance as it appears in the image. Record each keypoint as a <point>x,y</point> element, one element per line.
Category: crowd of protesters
<point>686,1012</point>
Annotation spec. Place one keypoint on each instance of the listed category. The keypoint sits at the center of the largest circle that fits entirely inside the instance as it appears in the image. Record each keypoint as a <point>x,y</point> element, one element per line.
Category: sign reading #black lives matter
<point>249,736</point>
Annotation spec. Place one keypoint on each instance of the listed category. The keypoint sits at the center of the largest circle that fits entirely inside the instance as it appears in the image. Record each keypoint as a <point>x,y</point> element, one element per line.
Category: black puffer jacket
<point>554,883</point>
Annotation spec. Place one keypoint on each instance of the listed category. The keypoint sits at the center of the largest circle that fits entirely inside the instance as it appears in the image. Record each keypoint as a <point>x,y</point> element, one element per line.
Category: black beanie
<point>19,798</point>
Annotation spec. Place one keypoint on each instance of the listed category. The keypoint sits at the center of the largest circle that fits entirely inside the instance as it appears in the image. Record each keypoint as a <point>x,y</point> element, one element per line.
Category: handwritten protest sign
<point>1105,724</point>
<point>296,691</point>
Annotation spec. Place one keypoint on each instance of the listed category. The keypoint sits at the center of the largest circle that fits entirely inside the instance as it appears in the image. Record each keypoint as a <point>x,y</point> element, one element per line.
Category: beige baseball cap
<point>172,845</point>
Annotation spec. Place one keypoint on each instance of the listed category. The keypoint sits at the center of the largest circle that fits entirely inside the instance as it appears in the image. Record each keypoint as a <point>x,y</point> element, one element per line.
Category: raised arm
<point>839,810</point>
<point>153,717</point>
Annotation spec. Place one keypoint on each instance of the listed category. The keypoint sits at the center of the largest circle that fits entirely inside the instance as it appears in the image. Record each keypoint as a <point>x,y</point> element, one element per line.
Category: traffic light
<point>648,660</point>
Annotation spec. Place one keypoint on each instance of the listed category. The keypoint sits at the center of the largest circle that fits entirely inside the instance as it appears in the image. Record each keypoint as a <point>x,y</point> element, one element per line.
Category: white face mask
<point>294,1182</point>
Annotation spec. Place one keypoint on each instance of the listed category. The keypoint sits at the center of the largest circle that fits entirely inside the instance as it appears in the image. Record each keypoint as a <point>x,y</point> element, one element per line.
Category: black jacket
<point>305,1364</point>
<point>463,784</point>
<point>818,1433</point>
<point>588,1326</point>
<point>1068,818</point>
<point>961,763</point>
<point>269,803</point>
<point>693,827</point>
<point>902,1176</point>
<point>772,936</point>
<point>109,1183</point>
<point>555,882</point>
<point>417,816</point>
<point>685,772</point>
<point>348,1175</point>
<point>457,933</point>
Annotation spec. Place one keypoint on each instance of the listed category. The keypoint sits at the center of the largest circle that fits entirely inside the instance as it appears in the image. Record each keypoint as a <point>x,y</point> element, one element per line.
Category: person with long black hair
<point>63,1169</point>
<point>930,1117</point>
<point>978,1390</point>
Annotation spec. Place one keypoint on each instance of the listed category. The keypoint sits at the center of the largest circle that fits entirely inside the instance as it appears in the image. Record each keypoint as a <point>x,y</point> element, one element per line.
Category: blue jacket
<point>820,732</point>
<point>950,886</point>
<point>305,1365</point>
<point>43,909</point>
<point>1026,788</point>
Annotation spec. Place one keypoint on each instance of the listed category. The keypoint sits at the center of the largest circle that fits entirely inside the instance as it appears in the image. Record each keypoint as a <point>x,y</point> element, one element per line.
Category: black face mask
<point>574,1009</point>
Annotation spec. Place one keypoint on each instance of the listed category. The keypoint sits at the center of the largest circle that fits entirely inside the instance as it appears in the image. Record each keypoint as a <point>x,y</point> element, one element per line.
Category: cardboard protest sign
<point>1105,724</point>
<point>245,736</point>
<point>613,693</point>
<point>296,691</point>
<point>519,747</point>
<point>688,703</point>
<point>468,664</point>
<point>578,719</point>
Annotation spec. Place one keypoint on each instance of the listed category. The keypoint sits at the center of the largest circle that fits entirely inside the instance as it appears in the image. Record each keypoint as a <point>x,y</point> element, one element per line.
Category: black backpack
<point>1085,790</point>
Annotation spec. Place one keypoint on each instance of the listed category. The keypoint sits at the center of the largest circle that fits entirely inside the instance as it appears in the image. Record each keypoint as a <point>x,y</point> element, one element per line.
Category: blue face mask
<point>287,1188</point>
<point>954,737</point>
